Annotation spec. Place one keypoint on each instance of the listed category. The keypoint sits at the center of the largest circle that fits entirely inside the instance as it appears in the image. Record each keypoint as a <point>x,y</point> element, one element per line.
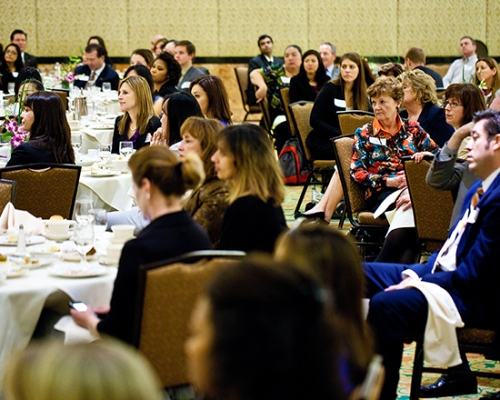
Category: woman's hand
<point>86,319</point>
<point>158,138</point>
<point>261,93</point>
<point>399,181</point>
<point>420,156</point>
<point>399,286</point>
<point>403,201</point>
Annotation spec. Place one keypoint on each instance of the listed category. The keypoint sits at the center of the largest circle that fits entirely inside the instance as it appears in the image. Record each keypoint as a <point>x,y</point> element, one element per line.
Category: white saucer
<point>59,238</point>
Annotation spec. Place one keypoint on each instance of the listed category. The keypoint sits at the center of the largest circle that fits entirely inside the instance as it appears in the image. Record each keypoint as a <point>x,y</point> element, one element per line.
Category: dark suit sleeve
<point>324,119</point>
<point>295,90</point>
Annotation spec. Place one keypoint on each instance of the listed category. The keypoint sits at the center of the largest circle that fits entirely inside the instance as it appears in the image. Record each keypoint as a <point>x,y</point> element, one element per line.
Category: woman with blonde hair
<point>160,181</point>
<point>420,103</point>
<point>245,158</point>
<point>336,262</point>
<point>211,94</point>
<point>487,78</point>
<point>138,122</point>
<point>102,370</point>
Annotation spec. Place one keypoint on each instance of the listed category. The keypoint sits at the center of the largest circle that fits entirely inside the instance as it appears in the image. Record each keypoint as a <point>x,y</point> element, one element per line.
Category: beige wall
<point>231,27</point>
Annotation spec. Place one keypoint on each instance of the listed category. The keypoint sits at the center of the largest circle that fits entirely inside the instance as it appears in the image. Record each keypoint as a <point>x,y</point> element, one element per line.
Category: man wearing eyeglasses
<point>462,70</point>
<point>21,39</point>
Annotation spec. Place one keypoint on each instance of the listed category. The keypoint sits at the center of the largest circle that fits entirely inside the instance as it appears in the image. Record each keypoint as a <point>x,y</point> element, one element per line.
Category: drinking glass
<point>76,142</point>
<point>126,149</point>
<point>105,152</point>
<point>106,87</point>
<point>83,237</point>
<point>100,220</point>
<point>11,87</point>
<point>82,211</point>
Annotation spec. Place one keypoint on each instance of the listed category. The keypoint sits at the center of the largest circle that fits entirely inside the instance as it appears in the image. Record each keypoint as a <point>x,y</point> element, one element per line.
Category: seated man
<point>466,268</point>
<point>415,59</point>
<point>95,72</point>
<point>184,54</point>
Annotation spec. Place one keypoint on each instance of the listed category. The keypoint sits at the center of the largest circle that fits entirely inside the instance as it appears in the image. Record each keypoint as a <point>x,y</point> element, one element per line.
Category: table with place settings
<point>53,282</point>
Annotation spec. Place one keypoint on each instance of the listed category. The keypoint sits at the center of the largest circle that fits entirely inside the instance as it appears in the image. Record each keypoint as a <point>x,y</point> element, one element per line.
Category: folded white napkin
<point>12,218</point>
<point>73,333</point>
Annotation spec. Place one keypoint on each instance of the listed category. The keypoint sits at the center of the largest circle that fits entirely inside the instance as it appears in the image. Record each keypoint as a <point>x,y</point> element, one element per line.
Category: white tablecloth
<point>109,193</point>
<point>22,300</point>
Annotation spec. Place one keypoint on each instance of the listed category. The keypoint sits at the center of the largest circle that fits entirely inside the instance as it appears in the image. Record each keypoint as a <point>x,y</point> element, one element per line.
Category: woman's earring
<point>148,196</point>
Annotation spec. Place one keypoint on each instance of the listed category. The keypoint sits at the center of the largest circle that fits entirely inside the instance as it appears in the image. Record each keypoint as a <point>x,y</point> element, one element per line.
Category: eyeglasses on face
<point>452,104</point>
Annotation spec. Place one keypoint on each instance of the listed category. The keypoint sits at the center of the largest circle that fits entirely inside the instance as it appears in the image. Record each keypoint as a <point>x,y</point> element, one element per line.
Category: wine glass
<point>82,211</point>
<point>106,87</point>
<point>126,149</point>
<point>105,152</point>
<point>76,142</point>
<point>83,237</point>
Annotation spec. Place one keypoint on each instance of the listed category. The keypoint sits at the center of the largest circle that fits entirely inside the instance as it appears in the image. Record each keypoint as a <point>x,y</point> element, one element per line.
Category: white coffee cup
<point>59,227</point>
<point>114,253</point>
<point>123,232</point>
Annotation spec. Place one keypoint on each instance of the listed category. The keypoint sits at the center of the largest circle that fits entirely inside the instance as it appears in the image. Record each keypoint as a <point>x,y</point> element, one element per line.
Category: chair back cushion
<point>301,115</point>
<point>350,122</point>
<point>47,191</point>
<point>7,193</point>
<point>285,100</point>
<point>169,298</point>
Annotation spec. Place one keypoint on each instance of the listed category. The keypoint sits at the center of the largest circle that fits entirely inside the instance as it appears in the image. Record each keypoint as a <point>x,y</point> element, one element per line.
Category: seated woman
<point>158,46</point>
<point>44,118</point>
<point>264,330</point>
<point>138,122</point>
<point>310,80</point>
<point>11,65</point>
<point>487,78</point>
<point>160,180</point>
<point>28,73</point>
<point>142,57</point>
<point>211,94</point>
<point>112,372</point>
<point>335,261</point>
<point>347,92</point>
<point>246,160</point>
<point>420,105</point>
<point>166,72</point>
<point>207,203</point>
<point>140,70</point>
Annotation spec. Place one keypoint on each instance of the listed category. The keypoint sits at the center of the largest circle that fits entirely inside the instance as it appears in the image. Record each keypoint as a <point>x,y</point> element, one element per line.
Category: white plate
<point>77,271</point>
<point>87,163</point>
<point>58,238</point>
<point>16,272</point>
<point>76,257</point>
<point>33,264</point>
<point>29,240</point>
<point>104,174</point>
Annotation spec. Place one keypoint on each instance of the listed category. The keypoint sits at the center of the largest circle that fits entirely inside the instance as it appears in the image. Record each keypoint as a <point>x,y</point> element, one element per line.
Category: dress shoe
<point>449,385</point>
<point>493,396</point>
<point>316,215</point>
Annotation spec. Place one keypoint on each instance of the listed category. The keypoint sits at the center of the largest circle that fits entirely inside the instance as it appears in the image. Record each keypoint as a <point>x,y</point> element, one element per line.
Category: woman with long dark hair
<point>310,79</point>
<point>11,65</point>
<point>44,118</point>
<point>211,94</point>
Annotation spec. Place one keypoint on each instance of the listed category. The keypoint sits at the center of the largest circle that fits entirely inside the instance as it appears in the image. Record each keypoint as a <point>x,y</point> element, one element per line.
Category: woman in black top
<point>44,118</point>
<point>11,65</point>
<point>311,78</point>
<point>245,158</point>
<point>138,122</point>
<point>166,72</point>
<point>160,181</point>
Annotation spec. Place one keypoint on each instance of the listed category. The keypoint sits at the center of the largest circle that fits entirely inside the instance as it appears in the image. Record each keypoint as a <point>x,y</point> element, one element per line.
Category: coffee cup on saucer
<point>59,228</point>
<point>122,233</point>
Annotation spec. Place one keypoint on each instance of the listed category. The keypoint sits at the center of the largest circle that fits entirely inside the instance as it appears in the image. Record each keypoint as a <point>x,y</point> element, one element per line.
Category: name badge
<point>148,138</point>
<point>376,140</point>
<point>285,80</point>
<point>339,103</point>
<point>185,85</point>
<point>84,78</point>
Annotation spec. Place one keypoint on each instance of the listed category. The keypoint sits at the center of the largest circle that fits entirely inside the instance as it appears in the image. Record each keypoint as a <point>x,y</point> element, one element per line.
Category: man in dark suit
<point>95,71</point>
<point>184,54</point>
<point>21,39</point>
<point>466,268</point>
<point>415,58</point>
<point>264,59</point>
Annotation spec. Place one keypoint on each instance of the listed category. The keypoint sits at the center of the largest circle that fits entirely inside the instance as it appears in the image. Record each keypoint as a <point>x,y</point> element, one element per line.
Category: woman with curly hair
<point>166,72</point>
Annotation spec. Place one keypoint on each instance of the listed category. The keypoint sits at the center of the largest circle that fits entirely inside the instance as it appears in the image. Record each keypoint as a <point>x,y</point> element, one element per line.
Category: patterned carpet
<point>476,361</point>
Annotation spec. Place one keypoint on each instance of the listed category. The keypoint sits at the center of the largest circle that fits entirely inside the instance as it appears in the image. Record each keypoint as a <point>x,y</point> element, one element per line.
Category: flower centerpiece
<point>12,131</point>
<point>66,74</point>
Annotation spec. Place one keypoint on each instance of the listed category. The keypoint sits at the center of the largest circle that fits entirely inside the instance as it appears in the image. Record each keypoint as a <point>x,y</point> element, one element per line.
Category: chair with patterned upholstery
<point>45,189</point>
<point>167,295</point>
<point>242,78</point>
<point>432,222</point>
<point>63,94</point>
<point>301,115</point>
<point>369,232</point>
<point>7,193</point>
<point>285,101</point>
<point>351,120</point>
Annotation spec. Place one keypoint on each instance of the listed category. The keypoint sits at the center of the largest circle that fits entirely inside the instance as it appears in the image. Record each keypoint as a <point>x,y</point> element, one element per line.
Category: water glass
<point>83,237</point>
<point>83,209</point>
<point>76,142</point>
<point>105,152</point>
<point>126,149</point>
<point>106,87</point>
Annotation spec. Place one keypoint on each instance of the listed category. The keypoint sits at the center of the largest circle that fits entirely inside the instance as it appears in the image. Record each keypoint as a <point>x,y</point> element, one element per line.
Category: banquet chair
<point>432,222</point>
<point>45,189</point>
<point>266,116</point>
<point>63,94</point>
<point>351,120</point>
<point>301,114</point>
<point>7,193</point>
<point>368,231</point>
<point>242,78</point>
<point>167,295</point>
<point>470,340</point>
<point>285,101</point>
